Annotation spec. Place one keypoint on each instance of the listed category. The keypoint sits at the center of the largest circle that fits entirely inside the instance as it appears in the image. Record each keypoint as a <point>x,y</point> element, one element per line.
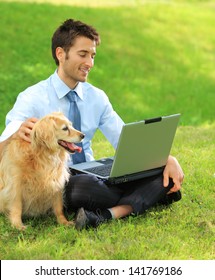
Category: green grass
<point>154,59</point>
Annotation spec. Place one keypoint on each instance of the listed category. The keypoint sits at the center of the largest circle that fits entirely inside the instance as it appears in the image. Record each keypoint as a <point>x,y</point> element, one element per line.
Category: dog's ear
<point>43,134</point>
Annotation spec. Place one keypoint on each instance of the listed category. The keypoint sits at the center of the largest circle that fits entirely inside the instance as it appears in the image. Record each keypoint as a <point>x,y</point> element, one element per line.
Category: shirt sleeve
<point>111,124</point>
<point>23,109</point>
<point>10,129</point>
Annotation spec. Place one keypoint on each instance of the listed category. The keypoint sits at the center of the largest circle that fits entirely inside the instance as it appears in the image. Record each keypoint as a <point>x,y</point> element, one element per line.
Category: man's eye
<point>65,128</point>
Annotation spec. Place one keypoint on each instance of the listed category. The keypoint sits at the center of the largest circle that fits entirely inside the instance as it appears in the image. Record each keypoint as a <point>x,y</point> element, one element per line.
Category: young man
<point>74,48</point>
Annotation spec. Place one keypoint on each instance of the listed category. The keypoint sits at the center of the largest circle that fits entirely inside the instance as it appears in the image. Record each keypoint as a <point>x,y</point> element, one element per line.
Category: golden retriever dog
<point>33,175</point>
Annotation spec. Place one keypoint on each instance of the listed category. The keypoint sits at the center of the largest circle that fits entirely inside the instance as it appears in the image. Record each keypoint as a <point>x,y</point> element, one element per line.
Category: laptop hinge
<point>135,176</point>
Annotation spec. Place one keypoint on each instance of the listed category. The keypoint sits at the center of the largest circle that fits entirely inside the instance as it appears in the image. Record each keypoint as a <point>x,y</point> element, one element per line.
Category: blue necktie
<point>75,118</point>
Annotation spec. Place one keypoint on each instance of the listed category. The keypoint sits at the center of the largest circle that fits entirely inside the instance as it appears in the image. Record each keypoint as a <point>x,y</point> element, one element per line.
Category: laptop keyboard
<point>102,170</point>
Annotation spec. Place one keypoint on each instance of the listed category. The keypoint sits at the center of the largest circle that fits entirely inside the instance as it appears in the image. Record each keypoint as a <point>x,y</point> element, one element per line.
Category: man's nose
<point>90,62</point>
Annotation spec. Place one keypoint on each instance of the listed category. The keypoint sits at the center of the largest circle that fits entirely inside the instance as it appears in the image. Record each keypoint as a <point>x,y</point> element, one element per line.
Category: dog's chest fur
<point>41,176</point>
<point>38,199</point>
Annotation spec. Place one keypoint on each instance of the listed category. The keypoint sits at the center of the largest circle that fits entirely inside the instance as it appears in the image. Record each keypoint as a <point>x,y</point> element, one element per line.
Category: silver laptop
<point>142,151</point>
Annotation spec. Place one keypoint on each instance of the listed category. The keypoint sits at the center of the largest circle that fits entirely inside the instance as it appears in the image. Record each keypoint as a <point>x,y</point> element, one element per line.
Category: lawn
<point>156,58</point>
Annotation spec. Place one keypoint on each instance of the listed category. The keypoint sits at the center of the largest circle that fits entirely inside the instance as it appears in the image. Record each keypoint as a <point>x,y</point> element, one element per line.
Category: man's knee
<point>82,188</point>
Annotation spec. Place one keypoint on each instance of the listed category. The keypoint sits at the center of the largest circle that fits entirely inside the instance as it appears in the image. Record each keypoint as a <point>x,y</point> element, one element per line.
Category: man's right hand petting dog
<point>33,175</point>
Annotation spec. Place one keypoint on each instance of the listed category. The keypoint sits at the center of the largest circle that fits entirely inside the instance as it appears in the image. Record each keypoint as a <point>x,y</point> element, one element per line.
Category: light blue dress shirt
<point>50,96</point>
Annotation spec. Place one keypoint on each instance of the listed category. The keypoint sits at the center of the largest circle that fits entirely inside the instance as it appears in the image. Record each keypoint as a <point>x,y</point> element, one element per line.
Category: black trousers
<point>92,193</point>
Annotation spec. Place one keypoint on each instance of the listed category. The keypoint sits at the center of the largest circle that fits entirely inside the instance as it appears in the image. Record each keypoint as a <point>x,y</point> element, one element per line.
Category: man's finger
<point>165,180</point>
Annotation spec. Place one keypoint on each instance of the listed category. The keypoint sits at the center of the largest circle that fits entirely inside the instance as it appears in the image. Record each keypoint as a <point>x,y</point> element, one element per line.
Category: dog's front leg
<point>15,211</point>
<point>58,210</point>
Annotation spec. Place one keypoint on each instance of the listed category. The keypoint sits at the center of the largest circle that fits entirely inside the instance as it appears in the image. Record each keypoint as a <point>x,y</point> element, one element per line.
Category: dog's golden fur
<point>33,175</point>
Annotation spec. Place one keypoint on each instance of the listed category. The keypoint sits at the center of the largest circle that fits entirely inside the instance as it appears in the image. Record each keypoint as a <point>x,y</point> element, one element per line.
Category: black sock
<point>106,214</point>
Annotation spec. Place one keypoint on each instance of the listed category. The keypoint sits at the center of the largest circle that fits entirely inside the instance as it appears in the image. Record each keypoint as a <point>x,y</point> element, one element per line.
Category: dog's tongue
<point>74,147</point>
<point>71,147</point>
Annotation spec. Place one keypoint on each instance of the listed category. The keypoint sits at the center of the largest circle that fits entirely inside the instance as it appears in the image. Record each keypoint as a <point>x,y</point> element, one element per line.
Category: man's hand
<point>173,170</point>
<point>25,129</point>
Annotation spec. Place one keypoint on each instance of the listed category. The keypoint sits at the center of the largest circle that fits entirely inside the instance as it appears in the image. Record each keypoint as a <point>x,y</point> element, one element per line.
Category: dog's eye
<point>65,128</point>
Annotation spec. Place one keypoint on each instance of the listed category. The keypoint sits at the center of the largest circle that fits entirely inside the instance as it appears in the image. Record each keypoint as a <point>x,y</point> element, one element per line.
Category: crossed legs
<point>91,193</point>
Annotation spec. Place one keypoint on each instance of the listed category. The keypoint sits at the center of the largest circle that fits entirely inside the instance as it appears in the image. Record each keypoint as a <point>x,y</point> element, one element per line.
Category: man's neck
<point>70,83</point>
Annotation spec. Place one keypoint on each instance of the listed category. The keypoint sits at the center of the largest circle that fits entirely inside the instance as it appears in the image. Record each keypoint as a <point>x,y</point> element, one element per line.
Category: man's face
<point>75,65</point>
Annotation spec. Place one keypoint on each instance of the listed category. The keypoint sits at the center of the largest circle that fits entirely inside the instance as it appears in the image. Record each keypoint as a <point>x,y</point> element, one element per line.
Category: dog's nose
<point>82,135</point>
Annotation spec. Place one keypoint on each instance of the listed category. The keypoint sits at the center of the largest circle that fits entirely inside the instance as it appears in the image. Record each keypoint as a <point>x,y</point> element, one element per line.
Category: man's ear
<point>60,54</point>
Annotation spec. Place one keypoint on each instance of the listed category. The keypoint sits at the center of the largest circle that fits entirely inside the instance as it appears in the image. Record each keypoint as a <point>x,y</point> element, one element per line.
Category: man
<point>74,48</point>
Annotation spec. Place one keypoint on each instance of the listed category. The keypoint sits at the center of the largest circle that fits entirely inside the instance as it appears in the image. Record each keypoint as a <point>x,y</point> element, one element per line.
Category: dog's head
<point>55,131</point>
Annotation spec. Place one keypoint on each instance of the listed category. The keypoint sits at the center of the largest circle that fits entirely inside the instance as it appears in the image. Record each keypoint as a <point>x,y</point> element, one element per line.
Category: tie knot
<point>72,96</point>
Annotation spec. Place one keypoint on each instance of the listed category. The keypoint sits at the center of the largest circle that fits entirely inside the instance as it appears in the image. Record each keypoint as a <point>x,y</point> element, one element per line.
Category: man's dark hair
<point>66,34</point>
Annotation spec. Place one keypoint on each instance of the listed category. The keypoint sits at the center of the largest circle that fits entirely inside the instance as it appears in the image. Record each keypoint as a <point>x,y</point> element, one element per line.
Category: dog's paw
<point>70,223</point>
<point>23,227</point>
<point>19,226</point>
<point>62,220</point>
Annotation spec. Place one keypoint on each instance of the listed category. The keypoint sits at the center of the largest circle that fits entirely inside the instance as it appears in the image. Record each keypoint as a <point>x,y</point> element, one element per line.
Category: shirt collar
<point>62,89</point>
<point>79,90</point>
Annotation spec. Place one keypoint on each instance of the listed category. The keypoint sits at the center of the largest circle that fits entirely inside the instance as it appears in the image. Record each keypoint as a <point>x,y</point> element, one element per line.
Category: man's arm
<point>25,129</point>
